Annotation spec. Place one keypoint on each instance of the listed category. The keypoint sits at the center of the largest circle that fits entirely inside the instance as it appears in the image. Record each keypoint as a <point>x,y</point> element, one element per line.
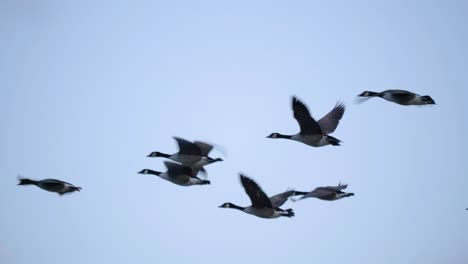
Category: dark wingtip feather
<point>341,105</point>
<point>243,177</point>
<point>296,100</point>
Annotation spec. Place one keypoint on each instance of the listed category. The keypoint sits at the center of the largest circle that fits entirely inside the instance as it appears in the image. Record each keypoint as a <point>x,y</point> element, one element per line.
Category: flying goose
<point>328,193</point>
<point>178,174</point>
<point>262,206</point>
<point>401,97</point>
<point>51,185</point>
<point>314,133</point>
<point>190,154</point>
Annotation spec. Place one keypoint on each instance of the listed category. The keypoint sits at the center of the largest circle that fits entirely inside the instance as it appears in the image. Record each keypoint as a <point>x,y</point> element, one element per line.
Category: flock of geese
<point>192,158</point>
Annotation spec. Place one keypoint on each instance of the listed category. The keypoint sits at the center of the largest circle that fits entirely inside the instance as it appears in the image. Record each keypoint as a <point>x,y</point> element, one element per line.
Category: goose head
<point>273,135</point>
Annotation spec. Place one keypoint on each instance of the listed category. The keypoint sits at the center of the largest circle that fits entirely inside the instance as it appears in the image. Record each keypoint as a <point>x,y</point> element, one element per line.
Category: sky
<point>89,88</point>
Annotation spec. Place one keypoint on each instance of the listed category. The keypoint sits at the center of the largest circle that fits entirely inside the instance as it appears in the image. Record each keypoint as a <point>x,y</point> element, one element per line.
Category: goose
<point>51,185</point>
<point>314,133</point>
<point>189,154</point>
<point>177,174</point>
<point>328,193</point>
<point>401,97</point>
<point>262,206</point>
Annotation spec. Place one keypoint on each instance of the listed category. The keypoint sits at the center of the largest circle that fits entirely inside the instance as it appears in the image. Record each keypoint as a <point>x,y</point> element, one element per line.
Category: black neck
<point>26,182</point>
<point>164,155</point>
<point>154,172</point>
<point>237,207</point>
<point>283,136</point>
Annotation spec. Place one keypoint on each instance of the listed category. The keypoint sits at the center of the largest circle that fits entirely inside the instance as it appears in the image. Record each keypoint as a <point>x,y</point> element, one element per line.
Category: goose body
<point>313,133</point>
<point>262,206</point>
<point>190,154</point>
<point>312,140</point>
<point>177,174</point>
<point>329,193</point>
<point>51,185</point>
<point>401,97</point>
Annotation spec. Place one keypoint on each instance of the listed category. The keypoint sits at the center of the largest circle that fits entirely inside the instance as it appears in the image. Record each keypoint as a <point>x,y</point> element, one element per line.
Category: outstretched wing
<point>319,192</point>
<point>187,148</point>
<point>176,170</point>
<point>337,188</point>
<point>279,199</point>
<point>400,95</point>
<point>204,147</point>
<point>258,198</point>
<point>53,183</point>
<point>330,121</point>
<point>306,122</point>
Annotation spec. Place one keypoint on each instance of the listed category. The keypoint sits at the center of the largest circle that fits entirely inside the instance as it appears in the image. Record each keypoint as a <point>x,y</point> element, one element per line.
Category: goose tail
<point>204,182</point>
<point>333,141</point>
<point>288,213</point>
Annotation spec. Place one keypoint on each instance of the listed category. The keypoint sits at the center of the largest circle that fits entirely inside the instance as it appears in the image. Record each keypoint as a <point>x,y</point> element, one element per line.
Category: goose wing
<point>319,192</point>
<point>205,148</point>
<point>338,188</point>
<point>187,148</point>
<point>279,199</point>
<point>400,95</point>
<point>330,121</point>
<point>396,91</point>
<point>177,170</point>
<point>258,198</point>
<point>55,183</point>
<point>306,122</point>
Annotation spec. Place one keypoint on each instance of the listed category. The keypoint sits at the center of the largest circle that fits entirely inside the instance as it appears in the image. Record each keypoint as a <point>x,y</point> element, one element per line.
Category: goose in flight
<point>51,185</point>
<point>314,133</point>
<point>190,154</point>
<point>262,206</point>
<point>401,97</point>
<point>329,193</point>
<point>177,174</point>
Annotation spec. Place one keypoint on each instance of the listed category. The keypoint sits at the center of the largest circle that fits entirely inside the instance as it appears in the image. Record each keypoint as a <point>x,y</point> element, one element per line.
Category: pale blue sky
<point>89,89</point>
